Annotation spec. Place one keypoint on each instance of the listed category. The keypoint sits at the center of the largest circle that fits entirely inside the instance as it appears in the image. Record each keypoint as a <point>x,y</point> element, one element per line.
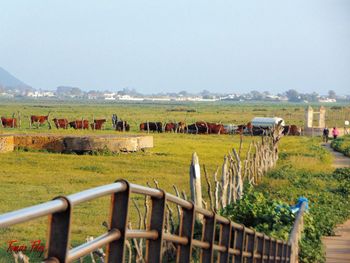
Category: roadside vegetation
<point>304,170</point>
<point>342,145</point>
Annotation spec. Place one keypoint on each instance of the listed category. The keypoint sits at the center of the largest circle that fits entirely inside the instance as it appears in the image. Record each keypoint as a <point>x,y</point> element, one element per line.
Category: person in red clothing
<point>335,132</point>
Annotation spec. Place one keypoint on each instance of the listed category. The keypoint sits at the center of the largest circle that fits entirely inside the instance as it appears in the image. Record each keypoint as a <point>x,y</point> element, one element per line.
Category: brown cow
<point>39,120</point>
<point>170,127</point>
<point>9,122</point>
<point>292,130</point>
<point>61,123</point>
<point>181,127</point>
<point>216,128</point>
<point>245,128</point>
<point>79,124</point>
<point>151,126</point>
<point>97,125</point>
<point>175,127</point>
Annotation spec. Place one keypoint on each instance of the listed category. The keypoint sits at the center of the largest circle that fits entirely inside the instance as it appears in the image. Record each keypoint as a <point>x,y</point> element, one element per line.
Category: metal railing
<point>296,232</point>
<point>236,243</point>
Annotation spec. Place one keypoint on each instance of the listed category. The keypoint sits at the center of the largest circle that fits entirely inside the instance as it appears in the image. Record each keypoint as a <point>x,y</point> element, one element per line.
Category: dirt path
<point>338,246</point>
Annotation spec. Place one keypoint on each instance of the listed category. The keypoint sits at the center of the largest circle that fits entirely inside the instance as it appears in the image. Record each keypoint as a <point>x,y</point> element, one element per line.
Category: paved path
<point>338,246</point>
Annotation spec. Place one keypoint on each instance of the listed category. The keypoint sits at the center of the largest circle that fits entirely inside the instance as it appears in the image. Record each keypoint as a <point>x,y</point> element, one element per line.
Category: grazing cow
<point>179,127</point>
<point>9,122</point>
<point>97,125</point>
<point>216,128</point>
<point>151,126</point>
<point>170,127</point>
<point>122,126</point>
<point>38,119</point>
<point>79,124</point>
<point>292,130</point>
<point>61,123</point>
<point>245,129</point>
<point>200,127</point>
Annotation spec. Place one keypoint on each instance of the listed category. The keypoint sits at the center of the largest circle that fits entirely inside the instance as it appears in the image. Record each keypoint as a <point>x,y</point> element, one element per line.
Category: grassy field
<point>135,113</point>
<point>29,178</point>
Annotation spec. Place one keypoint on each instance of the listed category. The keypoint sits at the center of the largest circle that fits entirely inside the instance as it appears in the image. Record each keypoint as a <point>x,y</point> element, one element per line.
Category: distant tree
<point>332,94</point>
<point>313,97</point>
<point>293,95</point>
<point>183,93</point>
<point>205,93</point>
<point>256,95</point>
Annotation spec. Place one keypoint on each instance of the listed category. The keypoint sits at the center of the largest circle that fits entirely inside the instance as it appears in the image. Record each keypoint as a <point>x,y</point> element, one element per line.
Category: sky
<point>169,46</point>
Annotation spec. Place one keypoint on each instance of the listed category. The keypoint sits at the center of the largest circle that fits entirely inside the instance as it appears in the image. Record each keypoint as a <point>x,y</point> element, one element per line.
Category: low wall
<point>74,143</point>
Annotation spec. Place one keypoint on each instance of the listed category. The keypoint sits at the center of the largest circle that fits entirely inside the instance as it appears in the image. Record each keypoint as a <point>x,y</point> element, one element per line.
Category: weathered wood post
<point>48,120</point>
<point>195,182</point>
<point>224,183</point>
<point>238,175</point>
<point>19,119</point>
<point>13,120</point>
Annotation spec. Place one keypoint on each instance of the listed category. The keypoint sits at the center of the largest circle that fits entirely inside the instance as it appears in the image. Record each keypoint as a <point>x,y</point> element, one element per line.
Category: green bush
<point>342,145</point>
<point>266,207</point>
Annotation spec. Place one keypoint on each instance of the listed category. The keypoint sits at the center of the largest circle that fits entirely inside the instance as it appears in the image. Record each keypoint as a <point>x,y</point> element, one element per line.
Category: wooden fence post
<point>224,183</point>
<point>238,175</point>
<point>195,182</point>
<point>19,119</point>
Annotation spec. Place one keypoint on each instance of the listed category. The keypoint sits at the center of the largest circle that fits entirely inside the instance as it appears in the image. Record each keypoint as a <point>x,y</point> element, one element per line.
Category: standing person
<point>325,134</point>
<point>335,133</point>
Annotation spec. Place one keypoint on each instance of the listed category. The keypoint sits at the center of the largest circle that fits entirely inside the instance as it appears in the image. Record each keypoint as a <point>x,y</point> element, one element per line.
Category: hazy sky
<point>159,45</point>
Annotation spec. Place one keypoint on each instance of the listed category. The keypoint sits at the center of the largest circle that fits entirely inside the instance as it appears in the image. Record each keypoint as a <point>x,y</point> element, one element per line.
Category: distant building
<point>109,96</point>
<point>40,94</point>
<point>327,100</point>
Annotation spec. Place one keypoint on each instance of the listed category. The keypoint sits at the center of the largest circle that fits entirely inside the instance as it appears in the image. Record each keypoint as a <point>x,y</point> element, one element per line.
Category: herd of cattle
<point>200,127</point>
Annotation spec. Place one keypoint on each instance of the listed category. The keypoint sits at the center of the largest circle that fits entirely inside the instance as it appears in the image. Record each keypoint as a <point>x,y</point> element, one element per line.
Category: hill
<point>9,81</point>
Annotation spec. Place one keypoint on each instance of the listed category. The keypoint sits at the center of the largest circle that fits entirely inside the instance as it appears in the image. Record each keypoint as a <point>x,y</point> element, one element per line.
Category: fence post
<point>240,243</point>
<point>195,182</point>
<point>118,220</point>
<point>238,175</point>
<point>208,236</point>
<point>225,240</point>
<point>225,183</point>
<point>58,235</point>
<point>154,247</point>
<point>184,252</point>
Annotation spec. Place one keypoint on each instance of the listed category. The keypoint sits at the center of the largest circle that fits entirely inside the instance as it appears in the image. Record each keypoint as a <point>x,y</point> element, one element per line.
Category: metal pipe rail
<point>236,243</point>
<point>295,234</point>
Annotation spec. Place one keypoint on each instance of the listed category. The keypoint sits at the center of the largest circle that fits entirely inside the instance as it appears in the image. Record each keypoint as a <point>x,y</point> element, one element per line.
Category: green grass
<point>342,144</point>
<point>135,113</point>
<point>28,178</point>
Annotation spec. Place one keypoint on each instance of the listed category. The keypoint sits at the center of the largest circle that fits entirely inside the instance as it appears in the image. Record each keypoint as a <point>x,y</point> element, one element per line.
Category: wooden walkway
<point>338,246</point>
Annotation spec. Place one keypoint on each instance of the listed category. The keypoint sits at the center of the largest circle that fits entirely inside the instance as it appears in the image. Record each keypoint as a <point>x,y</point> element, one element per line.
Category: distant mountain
<point>9,81</point>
